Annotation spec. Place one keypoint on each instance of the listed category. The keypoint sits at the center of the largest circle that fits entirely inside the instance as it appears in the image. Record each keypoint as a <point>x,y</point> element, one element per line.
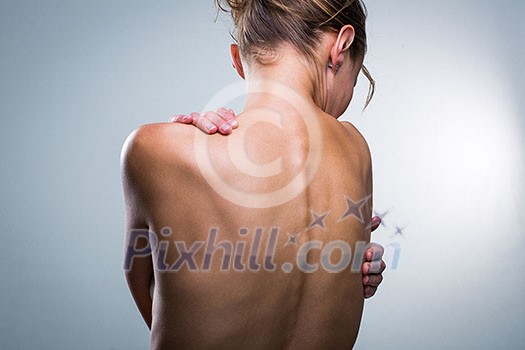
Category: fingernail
<point>186,118</point>
<point>233,122</point>
<point>210,127</point>
<point>225,127</point>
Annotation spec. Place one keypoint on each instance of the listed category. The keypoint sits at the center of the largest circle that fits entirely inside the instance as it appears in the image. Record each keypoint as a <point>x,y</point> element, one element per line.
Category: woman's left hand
<point>374,264</point>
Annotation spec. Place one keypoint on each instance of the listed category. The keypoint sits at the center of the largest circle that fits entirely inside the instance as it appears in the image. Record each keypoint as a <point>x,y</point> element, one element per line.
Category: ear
<point>236,59</point>
<point>342,44</point>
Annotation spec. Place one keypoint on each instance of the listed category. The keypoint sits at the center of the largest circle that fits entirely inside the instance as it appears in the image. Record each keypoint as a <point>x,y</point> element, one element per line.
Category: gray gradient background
<point>446,130</point>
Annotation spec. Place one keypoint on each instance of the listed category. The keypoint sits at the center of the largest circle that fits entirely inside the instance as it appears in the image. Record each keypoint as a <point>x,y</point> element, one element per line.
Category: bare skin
<point>224,121</point>
<point>252,308</point>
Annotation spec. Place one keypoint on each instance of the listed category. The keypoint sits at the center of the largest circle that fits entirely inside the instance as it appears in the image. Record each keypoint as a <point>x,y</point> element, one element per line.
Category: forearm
<point>142,294</point>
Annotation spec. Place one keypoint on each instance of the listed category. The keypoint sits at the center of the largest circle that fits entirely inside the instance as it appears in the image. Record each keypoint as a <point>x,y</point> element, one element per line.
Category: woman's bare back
<point>249,265</point>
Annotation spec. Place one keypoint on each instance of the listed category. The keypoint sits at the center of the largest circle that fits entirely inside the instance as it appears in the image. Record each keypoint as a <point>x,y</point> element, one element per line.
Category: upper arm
<point>138,267</point>
<point>132,165</point>
<point>366,159</point>
<point>361,145</point>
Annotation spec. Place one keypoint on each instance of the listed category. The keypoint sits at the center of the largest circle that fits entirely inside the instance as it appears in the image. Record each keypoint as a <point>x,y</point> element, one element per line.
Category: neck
<point>289,82</point>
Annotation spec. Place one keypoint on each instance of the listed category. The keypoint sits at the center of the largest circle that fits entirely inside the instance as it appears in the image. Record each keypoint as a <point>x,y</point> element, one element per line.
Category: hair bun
<point>262,25</point>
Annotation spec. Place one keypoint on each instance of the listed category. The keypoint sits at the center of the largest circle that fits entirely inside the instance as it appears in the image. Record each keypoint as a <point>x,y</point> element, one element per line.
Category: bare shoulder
<point>156,140</point>
<point>157,135</point>
<point>155,144</point>
<point>360,144</point>
<point>358,140</point>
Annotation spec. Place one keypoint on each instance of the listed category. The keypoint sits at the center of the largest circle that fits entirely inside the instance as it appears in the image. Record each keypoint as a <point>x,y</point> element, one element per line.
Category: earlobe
<point>331,66</point>
<point>236,60</point>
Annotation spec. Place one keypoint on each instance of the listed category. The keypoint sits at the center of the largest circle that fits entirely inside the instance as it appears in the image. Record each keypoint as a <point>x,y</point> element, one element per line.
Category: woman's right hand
<point>222,120</point>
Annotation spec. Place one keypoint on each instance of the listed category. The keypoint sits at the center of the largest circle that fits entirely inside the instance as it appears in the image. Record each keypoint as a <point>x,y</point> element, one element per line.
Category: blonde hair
<point>262,25</point>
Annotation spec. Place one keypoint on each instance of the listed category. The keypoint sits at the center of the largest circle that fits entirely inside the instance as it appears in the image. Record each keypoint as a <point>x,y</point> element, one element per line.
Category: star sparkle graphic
<point>292,239</point>
<point>318,220</point>
<point>382,216</point>
<point>399,231</point>
<point>354,208</point>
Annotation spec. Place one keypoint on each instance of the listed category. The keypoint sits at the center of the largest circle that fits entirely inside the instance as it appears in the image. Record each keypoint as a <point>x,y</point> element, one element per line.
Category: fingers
<point>181,118</point>
<point>369,291</point>
<point>372,277</point>
<point>374,252</point>
<point>196,119</point>
<point>372,280</point>
<point>222,121</point>
<point>210,122</point>
<point>215,121</point>
<point>219,119</point>
<point>376,221</point>
<point>374,267</point>
<point>229,116</point>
